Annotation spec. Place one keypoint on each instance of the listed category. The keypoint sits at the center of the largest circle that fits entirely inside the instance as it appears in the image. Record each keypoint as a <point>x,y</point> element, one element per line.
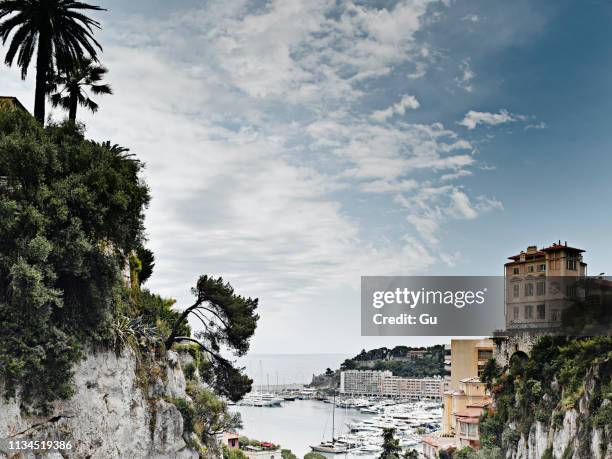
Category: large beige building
<point>539,283</point>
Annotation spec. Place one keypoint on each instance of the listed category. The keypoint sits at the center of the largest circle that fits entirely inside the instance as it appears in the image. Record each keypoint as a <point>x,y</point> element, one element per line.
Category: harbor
<point>335,426</point>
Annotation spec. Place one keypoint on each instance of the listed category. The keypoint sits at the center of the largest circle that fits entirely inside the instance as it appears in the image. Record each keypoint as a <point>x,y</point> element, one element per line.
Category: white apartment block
<point>363,382</point>
<point>383,383</point>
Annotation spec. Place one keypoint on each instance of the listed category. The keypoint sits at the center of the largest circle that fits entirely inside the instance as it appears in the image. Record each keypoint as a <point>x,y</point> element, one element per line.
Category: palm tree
<point>56,29</point>
<point>85,74</point>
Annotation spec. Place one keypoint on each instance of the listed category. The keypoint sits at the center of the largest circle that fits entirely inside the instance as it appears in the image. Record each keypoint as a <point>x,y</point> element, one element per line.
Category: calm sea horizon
<point>270,369</point>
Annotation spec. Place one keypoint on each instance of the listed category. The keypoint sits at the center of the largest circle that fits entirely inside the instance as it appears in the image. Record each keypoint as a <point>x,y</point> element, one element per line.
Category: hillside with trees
<point>555,403</point>
<point>410,362</point>
<point>71,232</point>
<point>405,361</point>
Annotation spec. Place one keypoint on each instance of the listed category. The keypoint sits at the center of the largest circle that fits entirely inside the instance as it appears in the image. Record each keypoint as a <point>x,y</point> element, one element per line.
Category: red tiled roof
<point>480,404</point>
<point>438,441</point>
<point>539,253</point>
<point>469,413</point>
<point>542,252</point>
<point>469,420</point>
<point>561,247</point>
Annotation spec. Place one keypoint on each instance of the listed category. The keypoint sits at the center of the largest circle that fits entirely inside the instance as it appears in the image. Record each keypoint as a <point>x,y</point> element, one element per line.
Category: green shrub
<point>189,371</point>
<point>603,416</point>
<point>548,453</point>
<point>70,212</point>
<point>542,416</point>
<point>287,454</point>
<point>463,453</point>
<point>510,436</point>
<point>187,412</point>
<point>158,311</point>
<point>313,455</point>
<point>233,453</point>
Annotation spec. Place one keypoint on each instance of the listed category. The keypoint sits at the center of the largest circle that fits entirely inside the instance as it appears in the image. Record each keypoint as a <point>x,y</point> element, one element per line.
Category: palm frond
<point>101,89</point>
<point>58,30</point>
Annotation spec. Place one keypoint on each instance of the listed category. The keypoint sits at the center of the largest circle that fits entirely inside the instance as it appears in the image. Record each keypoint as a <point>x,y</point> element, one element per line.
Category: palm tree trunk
<point>73,107</point>
<point>42,69</point>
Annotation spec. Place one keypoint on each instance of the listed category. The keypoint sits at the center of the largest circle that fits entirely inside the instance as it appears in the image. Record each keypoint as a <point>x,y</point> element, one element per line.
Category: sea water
<point>297,425</point>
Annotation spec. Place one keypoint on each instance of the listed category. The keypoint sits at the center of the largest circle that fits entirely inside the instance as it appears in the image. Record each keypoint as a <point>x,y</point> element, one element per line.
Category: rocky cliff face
<point>562,442</point>
<point>112,414</point>
<point>570,434</point>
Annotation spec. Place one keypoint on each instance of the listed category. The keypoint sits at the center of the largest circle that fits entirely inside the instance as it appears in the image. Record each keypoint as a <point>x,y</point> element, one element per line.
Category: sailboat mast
<point>334,418</point>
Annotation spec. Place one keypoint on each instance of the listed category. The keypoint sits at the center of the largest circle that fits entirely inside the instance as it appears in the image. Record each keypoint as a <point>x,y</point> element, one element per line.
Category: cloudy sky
<point>293,146</point>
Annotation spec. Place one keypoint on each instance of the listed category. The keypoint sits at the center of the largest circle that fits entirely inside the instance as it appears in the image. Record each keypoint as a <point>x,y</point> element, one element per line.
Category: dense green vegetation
<point>545,385</point>
<point>287,454</point>
<point>227,319</point>
<point>71,224</point>
<point>233,453</point>
<point>69,212</point>
<point>431,364</point>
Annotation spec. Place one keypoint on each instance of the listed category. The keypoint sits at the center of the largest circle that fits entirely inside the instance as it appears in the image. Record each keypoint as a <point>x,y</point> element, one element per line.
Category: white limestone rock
<point>108,416</point>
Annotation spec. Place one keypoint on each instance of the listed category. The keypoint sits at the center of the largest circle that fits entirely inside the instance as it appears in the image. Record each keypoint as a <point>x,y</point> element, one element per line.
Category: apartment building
<point>467,359</point>
<point>383,383</point>
<point>464,397</point>
<point>462,411</point>
<point>397,386</point>
<point>468,404</point>
<point>363,382</point>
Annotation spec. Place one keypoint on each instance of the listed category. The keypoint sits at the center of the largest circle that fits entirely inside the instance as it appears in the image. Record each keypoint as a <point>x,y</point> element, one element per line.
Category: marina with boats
<point>345,425</point>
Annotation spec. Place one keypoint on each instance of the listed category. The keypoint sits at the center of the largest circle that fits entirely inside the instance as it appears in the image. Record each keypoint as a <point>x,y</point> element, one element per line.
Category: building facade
<point>11,103</point>
<point>256,452</point>
<point>467,360</point>
<point>363,382</point>
<point>539,284</point>
<point>383,383</point>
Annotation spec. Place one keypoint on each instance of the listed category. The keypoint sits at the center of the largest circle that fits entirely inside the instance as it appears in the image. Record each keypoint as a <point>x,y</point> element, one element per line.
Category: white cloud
<point>381,152</point>
<point>471,18</point>
<point>431,206</point>
<point>461,207</point>
<point>383,186</point>
<point>474,118</point>
<point>306,50</point>
<point>407,102</point>
<point>450,259</point>
<point>249,121</point>
<point>455,175</point>
<point>467,75</point>
<point>540,125</point>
